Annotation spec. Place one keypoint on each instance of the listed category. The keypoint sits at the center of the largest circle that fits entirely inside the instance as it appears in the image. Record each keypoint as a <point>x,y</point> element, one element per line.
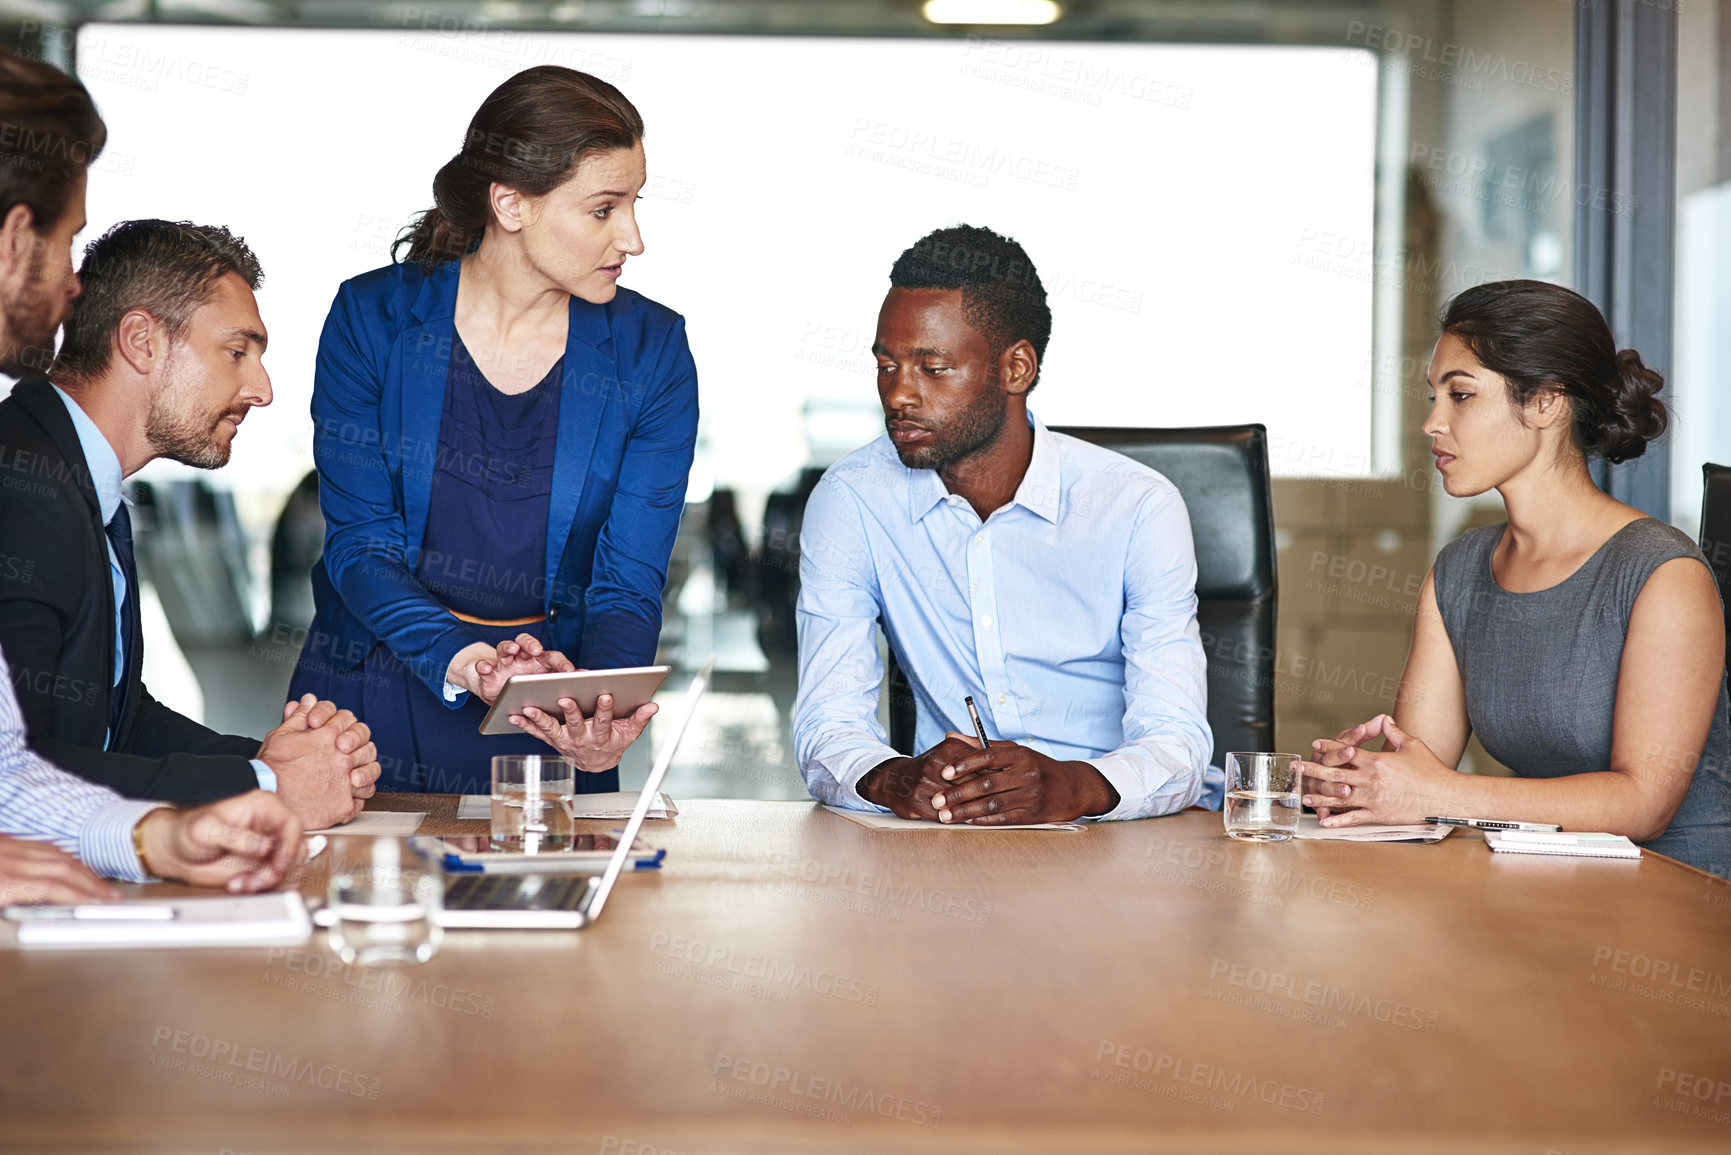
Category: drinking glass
<point>385,895</point>
<point>1262,796</point>
<point>529,796</point>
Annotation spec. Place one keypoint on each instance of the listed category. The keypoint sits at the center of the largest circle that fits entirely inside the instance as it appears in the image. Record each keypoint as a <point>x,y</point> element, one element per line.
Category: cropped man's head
<point>1002,296</point>
<point>49,135</point>
<point>959,342</point>
<point>168,314</point>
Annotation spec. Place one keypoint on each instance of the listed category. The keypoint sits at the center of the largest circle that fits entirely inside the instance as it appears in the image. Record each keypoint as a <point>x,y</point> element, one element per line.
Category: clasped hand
<point>1005,784</point>
<point>325,762</point>
<point>1351,786</point>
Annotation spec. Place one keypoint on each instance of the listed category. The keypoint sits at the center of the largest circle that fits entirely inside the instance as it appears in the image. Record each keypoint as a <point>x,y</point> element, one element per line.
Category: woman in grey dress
<point>1581,640</point>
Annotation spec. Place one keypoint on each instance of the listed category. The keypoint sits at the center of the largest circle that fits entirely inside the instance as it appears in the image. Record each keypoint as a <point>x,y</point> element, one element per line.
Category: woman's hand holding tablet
<point>589,716</point>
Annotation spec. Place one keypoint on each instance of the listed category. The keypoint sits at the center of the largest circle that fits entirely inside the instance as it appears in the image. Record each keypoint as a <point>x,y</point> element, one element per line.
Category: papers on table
<point>244,920</point>
<point>871,819</point>
<point>616,806</point>
<point>1309,827</point>
<point>381,822</point>
<point>1581,844</point>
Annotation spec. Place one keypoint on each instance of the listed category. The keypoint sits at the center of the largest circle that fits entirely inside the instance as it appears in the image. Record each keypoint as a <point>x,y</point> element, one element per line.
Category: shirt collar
<point>99,457</point>
<point>1038,492</point>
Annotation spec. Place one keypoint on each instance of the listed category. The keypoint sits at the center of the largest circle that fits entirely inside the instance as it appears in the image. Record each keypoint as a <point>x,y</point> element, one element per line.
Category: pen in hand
<point>979,726</point>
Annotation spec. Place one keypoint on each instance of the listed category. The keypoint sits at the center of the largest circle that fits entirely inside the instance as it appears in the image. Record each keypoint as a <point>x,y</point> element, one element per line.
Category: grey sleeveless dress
<point>1540,671</point>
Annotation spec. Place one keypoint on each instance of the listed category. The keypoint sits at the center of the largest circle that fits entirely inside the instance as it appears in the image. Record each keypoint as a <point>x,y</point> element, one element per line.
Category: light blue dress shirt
<point>106,479</point>
<point>1069,615</point>
<point>40,801</point>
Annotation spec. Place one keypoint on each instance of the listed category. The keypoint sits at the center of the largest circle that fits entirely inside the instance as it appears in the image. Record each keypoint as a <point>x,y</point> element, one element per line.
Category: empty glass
<point>385,894</point>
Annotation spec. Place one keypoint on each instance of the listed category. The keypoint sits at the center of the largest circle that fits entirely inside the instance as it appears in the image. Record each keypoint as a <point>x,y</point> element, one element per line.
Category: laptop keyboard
<point>515,892</point>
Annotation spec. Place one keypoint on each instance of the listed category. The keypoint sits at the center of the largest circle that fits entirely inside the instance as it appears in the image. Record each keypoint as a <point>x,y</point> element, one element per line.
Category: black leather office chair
<point>1222,473</point>
<point>1716,535</point>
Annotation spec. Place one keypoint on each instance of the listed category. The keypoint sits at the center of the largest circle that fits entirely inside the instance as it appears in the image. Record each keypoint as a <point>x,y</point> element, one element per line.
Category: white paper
<point>1309,827</point>
<point>378,822</point>
<point>617,805</point>
<point>278,919</point>
<point>875,821</point>
<point>473,806</point>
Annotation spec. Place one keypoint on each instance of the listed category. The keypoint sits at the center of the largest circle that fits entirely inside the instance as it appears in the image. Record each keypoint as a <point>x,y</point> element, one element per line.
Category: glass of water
<point>385,895</point>
<point>529,796</point>
<point>1262,796</point>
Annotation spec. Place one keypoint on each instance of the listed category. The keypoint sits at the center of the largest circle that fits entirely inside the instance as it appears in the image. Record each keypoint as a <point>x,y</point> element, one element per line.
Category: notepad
<point>875,821</point>
<point>1310,827</point>
<point>1577,844</point>
<point>240,920</point>
<point>380,822</point>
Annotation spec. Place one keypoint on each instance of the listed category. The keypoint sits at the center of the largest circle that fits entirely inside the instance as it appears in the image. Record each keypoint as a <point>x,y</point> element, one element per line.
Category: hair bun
<point>1637,415</point>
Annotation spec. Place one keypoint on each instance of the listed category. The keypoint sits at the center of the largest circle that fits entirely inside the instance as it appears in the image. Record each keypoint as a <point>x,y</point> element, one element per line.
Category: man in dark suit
<point>160,359</point>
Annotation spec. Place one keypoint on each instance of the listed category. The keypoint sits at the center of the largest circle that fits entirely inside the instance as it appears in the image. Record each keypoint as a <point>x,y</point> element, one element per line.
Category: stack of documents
<point>244,920</point>
<point>1310,827</point>
<point>378,822</point>
<point>1580,843</point>
<point>615,806</point>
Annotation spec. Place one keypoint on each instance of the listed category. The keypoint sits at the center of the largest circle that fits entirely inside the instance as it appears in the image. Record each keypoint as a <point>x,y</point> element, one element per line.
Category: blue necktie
<point>119,531</point>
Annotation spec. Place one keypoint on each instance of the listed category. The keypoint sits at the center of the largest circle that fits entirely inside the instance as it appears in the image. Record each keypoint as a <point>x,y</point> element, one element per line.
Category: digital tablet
<point>631,688</point>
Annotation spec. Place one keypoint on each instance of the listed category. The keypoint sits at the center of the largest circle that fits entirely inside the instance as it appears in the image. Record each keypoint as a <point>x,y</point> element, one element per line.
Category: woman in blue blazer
<point>502,436</point>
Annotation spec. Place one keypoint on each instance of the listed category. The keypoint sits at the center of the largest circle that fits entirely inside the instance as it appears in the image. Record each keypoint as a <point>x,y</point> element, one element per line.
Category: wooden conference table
<point>793,982</point>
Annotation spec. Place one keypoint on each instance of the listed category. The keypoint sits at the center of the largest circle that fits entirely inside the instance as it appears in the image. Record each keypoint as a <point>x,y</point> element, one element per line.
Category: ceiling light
<point>992,11</point>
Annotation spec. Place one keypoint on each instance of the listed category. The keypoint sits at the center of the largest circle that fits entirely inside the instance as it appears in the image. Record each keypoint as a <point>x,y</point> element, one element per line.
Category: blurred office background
<point>1242,212</point>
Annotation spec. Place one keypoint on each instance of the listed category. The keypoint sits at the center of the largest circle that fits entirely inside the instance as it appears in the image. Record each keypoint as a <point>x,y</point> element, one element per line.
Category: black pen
<point>979,726</point>
<point>1497,824</point>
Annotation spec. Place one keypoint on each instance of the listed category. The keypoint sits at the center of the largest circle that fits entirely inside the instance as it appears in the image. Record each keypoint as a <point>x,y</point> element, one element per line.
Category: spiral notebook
<point>1577,844</point>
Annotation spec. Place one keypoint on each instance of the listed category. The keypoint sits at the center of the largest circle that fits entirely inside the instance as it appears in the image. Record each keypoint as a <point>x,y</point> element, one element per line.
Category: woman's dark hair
<point>529,133</point>
<point>1543,336</point>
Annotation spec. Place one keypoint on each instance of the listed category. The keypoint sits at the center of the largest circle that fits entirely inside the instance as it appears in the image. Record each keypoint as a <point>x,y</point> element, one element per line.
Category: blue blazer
<point>627,432</point>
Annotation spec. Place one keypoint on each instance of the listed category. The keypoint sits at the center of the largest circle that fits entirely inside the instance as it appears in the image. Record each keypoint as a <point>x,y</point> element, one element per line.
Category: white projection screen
<point>1201,216</point>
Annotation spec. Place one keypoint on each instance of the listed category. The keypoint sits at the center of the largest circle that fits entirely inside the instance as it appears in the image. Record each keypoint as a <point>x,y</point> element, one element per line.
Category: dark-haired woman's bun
<point>1636,414</point>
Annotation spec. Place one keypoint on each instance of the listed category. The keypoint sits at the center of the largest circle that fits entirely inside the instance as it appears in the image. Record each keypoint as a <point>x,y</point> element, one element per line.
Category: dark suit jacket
<point>57,625</point>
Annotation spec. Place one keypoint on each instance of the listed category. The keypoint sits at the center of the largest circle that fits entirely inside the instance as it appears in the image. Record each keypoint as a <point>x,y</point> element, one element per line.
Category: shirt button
<point>986,621</point>
<point>1002,698</point>
<point>979,539</point>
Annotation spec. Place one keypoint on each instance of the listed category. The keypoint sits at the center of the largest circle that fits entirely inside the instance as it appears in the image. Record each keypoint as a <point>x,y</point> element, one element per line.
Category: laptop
<point>563,901</point>
<point>560,901</point>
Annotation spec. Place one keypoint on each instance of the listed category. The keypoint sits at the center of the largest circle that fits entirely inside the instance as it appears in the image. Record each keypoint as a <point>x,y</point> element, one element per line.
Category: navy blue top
<point>486,540</point>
